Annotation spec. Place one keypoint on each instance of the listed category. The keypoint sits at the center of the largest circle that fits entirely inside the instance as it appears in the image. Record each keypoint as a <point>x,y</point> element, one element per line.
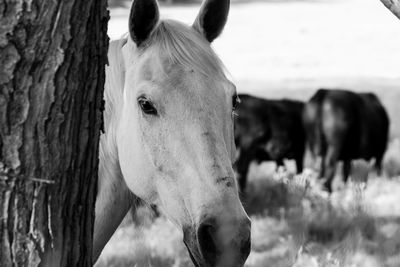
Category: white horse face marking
<point>175,141</point>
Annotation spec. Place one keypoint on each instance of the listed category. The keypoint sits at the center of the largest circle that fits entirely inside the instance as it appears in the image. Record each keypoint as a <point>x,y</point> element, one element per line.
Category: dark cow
<point>343,125</point>
<point>268,130</point>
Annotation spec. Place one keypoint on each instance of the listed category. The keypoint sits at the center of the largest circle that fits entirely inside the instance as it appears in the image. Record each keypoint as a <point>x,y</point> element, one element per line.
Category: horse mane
<point>113,95</point>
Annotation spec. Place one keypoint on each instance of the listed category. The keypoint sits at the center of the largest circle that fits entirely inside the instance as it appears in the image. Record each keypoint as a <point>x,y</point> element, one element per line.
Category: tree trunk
<point>393,5</point>
<point>52,57</point>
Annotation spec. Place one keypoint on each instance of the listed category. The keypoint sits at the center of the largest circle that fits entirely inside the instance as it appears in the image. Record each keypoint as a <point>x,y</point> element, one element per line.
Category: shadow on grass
<point>306,212</point>
<point>265,197</point>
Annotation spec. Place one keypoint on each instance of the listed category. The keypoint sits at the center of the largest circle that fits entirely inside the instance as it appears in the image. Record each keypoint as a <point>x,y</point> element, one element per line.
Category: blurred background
<point>290,48</point>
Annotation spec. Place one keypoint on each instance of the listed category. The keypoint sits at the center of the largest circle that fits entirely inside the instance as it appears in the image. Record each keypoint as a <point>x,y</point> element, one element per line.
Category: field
<point>288,49</point>
<point>294,223</point>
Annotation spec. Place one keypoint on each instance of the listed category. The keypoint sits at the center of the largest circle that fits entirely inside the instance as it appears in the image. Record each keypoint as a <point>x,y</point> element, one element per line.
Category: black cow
<point>343,125</point>
<point>268,130</point>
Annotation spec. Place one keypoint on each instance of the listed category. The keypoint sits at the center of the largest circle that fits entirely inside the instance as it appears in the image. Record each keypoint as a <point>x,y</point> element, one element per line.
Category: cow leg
<point>330,166</point>
<point>322,168</point>
<point>243,177</point>
<point>346,170</point>
<point>243,164</point>
<point>378,166</point>
<point>279,163</point>
<point>299,164</point>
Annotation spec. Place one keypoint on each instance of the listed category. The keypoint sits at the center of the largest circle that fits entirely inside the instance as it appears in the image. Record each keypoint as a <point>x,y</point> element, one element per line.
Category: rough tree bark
<point>393,5</point>
<point>52,57</point>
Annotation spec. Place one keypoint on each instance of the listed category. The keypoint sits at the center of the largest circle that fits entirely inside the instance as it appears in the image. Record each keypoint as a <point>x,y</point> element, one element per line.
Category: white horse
<point>169,134</point>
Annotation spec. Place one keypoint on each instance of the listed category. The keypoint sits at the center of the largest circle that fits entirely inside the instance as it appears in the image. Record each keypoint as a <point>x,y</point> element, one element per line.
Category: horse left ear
<point>212,18</point>
<point>143,18</point>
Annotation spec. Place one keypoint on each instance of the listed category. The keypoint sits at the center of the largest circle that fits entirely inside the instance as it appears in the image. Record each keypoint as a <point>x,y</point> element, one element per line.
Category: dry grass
<point>294,223</point>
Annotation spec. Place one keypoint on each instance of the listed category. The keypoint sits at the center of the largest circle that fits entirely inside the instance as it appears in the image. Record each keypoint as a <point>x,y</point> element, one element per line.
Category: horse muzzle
<point>214,244</point>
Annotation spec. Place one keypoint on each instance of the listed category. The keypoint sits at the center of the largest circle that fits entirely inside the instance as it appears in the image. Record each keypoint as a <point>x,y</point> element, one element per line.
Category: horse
<point>169,138</point>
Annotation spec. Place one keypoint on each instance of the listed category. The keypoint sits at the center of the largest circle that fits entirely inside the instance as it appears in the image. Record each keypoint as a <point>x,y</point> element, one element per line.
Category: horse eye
<point>235,101</point>
<point>146,106</point>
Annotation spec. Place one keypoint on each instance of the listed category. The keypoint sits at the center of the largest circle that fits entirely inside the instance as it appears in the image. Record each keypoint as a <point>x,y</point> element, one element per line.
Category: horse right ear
<point>143,18</point>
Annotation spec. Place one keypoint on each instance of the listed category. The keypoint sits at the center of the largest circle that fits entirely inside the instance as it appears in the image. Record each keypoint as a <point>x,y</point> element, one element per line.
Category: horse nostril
<point>206,235</point>
<point>228,244</point>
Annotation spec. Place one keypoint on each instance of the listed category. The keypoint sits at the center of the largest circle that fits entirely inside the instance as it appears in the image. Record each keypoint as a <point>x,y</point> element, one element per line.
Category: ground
<point>294,223</point>
<point>289,49</point>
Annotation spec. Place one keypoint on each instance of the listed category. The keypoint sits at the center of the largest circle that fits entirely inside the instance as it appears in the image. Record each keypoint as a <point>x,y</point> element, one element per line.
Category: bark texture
<point>52,57</point>
<point>393,5</point>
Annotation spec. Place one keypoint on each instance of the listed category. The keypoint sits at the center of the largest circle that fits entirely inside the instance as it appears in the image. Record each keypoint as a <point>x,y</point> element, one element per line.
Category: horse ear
<point>142,20</point>
<point>212,18</point>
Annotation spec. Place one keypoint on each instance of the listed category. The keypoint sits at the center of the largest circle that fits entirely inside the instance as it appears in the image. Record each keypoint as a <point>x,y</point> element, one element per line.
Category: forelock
<point>182,45</point>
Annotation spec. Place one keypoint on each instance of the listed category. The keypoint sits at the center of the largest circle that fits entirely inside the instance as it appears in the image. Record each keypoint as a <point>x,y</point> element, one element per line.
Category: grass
<point>294,223</point>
